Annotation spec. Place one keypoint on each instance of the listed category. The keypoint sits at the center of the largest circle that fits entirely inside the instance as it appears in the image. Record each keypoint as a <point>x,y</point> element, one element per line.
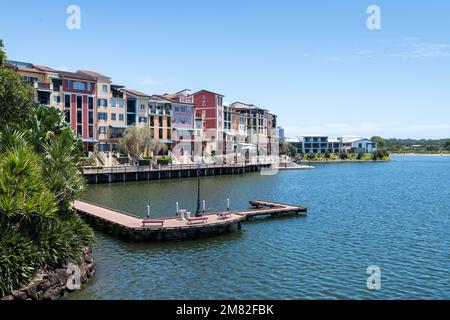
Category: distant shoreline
<point>422,154</point>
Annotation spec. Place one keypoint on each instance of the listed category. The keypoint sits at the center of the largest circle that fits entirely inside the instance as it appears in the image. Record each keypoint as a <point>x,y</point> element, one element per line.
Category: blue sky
<point>314,63</point>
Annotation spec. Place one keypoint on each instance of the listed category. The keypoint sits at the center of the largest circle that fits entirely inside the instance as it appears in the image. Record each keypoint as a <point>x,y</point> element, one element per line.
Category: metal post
<point>228,204</point>
<point>177,208</point>
<point>204,206</point>
<point>148,211</point>
<point>197,212</point>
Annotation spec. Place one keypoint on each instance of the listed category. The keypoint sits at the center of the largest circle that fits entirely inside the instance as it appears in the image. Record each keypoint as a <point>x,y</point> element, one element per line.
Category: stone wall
<point>51,284</point>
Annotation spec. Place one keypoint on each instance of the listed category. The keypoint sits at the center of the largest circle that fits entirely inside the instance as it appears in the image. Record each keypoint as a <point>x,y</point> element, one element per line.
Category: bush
<point>19,259</point>
<point>343,156</point>
<point>163,160</point>
<point>62,241</point>
<point>144,162</point>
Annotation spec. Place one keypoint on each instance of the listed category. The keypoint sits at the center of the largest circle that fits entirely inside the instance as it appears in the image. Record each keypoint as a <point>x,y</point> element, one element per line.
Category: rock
<point>39,295</point>
<point>83,275</point>
<point>53,293</point>
<point>19,295</point>
<point>31,290</point>
<point>53,278</point>
<point>44,285</point>
<point>88,258</point>
<point>10,297</point>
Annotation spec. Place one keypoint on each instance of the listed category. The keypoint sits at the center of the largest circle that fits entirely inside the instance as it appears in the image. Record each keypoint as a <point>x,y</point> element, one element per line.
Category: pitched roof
<point>203,90</point>
<point>76,75</point>
<point>94,74</point>
<point>136,93</point>
<point>43,68</point>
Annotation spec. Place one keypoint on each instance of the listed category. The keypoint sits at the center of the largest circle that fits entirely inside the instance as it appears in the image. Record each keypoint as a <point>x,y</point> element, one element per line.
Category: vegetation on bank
<point>380,155</point>
<point>39,162</point>
<point>420,146</point>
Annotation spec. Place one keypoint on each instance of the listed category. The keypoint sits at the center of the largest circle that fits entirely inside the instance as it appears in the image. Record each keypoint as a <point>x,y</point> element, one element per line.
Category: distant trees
<point>381,143</point>
<point>288,149</point>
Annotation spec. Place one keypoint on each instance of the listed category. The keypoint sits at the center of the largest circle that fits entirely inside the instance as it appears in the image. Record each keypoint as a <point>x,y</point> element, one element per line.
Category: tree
<point>447,144</point>
<point>16,97</point>
<point>136,142</point>
<point>2,54</point>
<point>381,143</point>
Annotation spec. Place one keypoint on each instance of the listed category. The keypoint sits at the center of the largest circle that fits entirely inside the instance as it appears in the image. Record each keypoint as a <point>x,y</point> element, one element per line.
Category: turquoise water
<point>394,215</point>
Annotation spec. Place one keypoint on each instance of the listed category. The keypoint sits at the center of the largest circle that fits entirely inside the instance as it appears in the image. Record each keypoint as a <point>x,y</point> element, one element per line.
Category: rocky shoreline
<point>52,284</point>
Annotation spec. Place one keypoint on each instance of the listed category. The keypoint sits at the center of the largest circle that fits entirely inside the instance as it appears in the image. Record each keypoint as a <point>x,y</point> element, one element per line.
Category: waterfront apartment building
<point>99,112</point>
<point>160,119</point>
<point>323,144</point>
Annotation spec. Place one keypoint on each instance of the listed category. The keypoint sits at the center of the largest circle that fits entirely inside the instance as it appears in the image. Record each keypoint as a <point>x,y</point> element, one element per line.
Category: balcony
<point>41,86</point>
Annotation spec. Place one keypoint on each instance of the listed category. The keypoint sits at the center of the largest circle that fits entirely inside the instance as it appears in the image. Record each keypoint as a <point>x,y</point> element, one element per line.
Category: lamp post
<point>198,212</point>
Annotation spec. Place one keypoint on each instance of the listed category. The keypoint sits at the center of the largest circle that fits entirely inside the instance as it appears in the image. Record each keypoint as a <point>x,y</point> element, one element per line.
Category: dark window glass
<point>91,131</point>
<point>67,101</point>
<point>91,117</point>
<point>67,112</point>
<point>79,117</point>
<point>80,130</point>
<point>79,102</point>
<point>91,103</point>
<point>160,121</point>
<point>160,133</point>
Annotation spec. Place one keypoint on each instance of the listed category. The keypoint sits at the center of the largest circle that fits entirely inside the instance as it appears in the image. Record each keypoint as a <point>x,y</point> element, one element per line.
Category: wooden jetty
<point>97,175</point>
<point>136,228</point>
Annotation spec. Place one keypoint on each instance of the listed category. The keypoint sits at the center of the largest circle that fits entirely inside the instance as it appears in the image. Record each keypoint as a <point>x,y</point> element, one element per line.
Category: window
<point>67,116</point>
<point>91,103</point>
<point>160,121</point>
<point>113,116</point>
<point>142,106</point>
<point>143,119</point>
<point>177,109</point>
<point>219,101</point>
<point>91,131</point>
<point>183,120</point>
<point>160,134</point>
<point>102,116</point>
<point>189,109</point>
<point>79,116</point>
<point>80,130</point>
<point>102,102</point>
<point>67,101</point>
<point>113,103</point>
<point>102,130</point>
<point>89,86</point>
<point>79,102</point>
<point>120,116</point>
<point>121,103</point>
<point>183,109</point>
<point>57,99</point>
<point>105,88</point>
<point>91,117</point>
<point>68,83</point>
<point>189,120</point>
<point>204,102</point>
<point>168,133</point>
<point>79,86</point>
<point>152,121</point>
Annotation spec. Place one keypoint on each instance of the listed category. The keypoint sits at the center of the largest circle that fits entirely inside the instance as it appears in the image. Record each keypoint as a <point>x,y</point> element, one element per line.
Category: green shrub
<point>62,241</point>
<point>163,160</point>
<point>343,156</point>
<point>19,260</point>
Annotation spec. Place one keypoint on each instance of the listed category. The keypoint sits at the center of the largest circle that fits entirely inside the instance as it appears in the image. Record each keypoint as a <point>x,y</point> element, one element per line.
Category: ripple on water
<point>394,215</point>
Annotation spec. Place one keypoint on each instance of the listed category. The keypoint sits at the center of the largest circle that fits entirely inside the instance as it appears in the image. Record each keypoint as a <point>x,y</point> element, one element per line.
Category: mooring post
<point>178,209</point>
<point>148,211</point>
<point>204,206</point>
<point>228,204</point>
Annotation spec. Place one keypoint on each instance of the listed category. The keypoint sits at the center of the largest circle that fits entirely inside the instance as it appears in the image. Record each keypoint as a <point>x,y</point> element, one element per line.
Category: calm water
<point>394,215</point>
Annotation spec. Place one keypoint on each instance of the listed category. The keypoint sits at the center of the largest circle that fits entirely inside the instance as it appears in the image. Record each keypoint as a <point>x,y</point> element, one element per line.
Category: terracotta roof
<point>43,68</point>
<point>29,70</point>
<point>76,75</point>
<point>209,92</point>
<point>94,74</point>
<point>136,93</point>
